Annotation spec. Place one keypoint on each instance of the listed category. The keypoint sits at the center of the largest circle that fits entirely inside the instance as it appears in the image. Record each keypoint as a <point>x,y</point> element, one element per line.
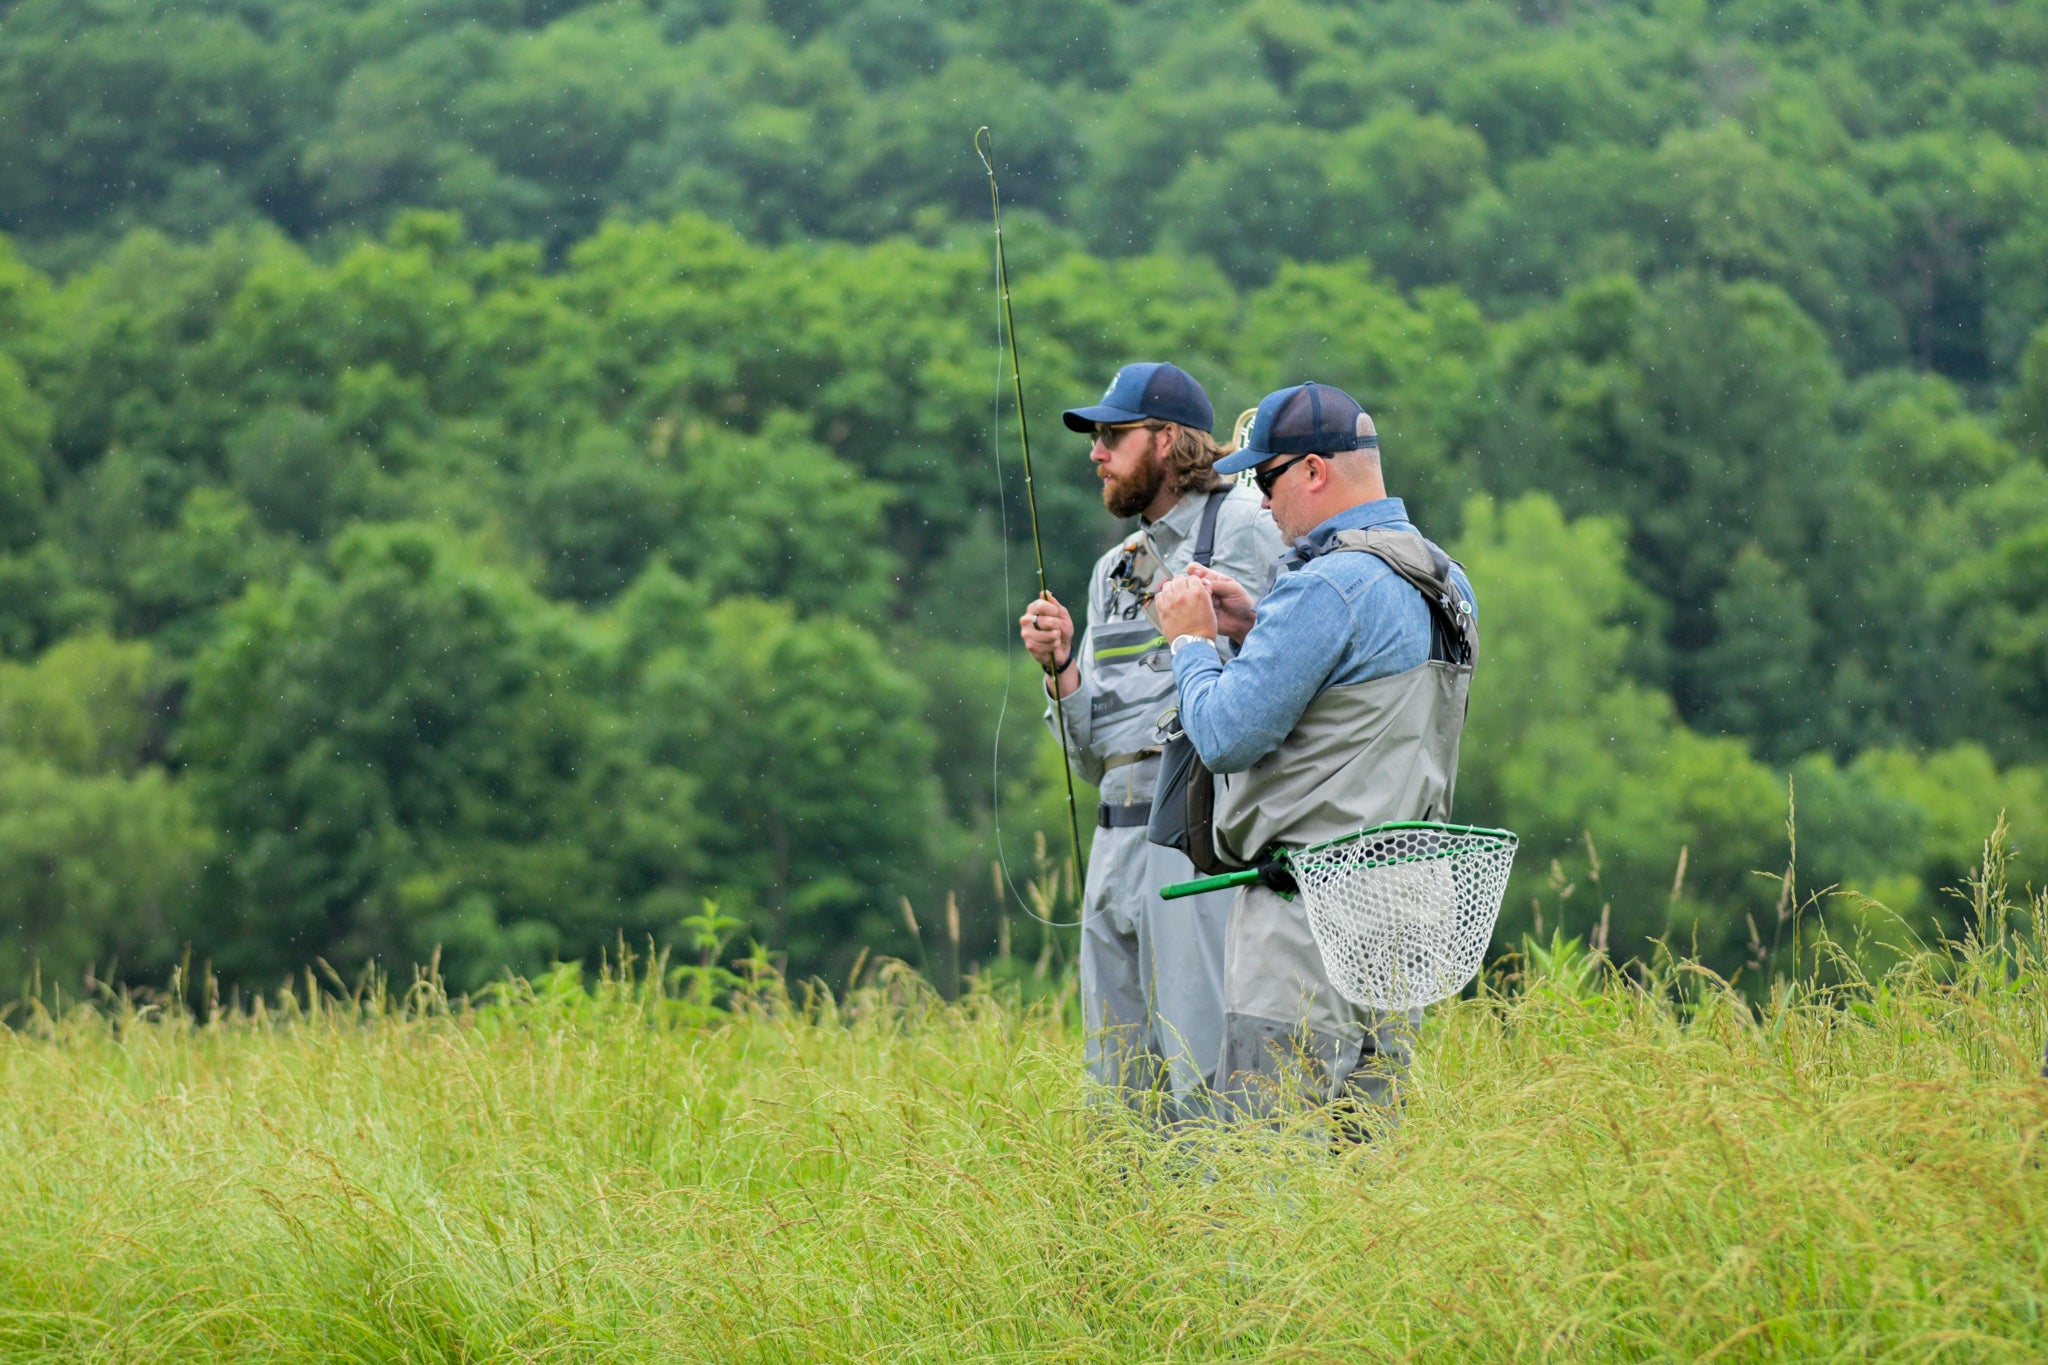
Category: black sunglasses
<point>1264,479</point>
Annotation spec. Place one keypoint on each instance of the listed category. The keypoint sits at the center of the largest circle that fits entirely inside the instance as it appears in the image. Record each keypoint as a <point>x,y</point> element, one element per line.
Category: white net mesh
<point>1403,914</point>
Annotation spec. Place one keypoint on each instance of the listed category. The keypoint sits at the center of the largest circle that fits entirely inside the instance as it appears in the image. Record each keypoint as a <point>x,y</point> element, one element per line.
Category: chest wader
<point>1184,814</point>
<point>1361,754</point>
<point>1151,976</point>
<point>1132,667</point>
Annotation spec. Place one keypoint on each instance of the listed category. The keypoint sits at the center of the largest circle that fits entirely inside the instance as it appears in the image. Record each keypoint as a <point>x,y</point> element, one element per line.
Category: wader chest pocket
<point>1129,659</point>
<point>1125,644</point>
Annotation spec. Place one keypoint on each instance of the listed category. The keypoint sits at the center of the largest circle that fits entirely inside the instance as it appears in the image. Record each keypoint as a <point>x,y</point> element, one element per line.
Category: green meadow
<point>1591,1164</point>
<point>481,480</point>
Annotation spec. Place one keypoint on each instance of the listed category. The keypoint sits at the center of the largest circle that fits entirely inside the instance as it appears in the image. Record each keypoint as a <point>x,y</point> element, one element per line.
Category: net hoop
<point>1403,912</point>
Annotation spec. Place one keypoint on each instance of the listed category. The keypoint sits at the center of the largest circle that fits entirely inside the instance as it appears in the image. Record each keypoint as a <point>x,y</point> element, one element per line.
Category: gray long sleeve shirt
<point>1126,670</point>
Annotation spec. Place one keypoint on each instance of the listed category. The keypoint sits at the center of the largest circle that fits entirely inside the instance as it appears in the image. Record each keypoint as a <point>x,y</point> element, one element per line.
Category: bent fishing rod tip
<point>982,135</point>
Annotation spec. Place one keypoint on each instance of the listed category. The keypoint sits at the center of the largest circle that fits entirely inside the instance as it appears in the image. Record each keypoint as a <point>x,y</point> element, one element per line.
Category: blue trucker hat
<point>1165,393</point>
<point>1308,419</point>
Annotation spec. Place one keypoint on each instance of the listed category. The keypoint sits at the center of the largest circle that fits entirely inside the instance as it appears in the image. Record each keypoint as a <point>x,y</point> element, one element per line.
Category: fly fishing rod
<point>985,148</point>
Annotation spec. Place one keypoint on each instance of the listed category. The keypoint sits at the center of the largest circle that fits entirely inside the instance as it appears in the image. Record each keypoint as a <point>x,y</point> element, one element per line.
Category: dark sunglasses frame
<point>1265,479</point>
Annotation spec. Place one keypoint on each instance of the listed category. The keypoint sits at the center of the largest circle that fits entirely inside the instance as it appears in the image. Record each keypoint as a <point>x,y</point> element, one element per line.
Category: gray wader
<point>1360,755</point>
<point>1151,970</point>
<point>1151,976</point>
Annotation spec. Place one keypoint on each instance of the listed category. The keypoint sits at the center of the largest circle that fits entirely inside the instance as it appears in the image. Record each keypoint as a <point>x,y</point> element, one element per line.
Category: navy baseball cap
<point>1308,419</point>
<point>1165,393</point>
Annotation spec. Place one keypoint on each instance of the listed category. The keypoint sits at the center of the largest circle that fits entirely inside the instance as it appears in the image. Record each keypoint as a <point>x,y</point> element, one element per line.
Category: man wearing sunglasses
<point>1342,709</point>
<point>1151,972</point>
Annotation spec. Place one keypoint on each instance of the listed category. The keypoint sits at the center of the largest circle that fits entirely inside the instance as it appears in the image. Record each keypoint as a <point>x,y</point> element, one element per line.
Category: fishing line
<point>1006,323</point>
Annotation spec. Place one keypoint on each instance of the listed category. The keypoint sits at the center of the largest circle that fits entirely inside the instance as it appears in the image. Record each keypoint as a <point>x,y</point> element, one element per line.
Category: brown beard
<point>1129,497</point>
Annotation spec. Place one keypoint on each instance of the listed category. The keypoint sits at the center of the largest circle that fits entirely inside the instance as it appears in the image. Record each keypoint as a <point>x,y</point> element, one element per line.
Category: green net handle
<point>1221,881</point>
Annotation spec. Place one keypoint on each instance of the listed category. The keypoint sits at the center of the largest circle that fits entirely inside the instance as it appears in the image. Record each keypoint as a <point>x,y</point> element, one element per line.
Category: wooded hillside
<point>489,475</point>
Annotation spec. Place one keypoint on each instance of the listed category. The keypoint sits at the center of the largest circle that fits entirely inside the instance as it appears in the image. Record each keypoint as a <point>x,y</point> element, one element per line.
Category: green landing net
<point>1401,912</point>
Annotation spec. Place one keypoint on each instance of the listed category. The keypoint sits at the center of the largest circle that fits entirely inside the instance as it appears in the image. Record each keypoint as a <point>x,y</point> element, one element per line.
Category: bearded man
<point>1151,973</point>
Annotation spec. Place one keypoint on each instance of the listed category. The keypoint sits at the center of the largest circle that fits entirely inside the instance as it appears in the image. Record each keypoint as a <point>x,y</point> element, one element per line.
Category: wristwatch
<point>1180,640</point>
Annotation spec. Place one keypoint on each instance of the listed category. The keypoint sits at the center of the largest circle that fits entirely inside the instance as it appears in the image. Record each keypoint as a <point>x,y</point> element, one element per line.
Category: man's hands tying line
<point>1206,603</point>
<point>1235,610</point>
<point>1185,608</point>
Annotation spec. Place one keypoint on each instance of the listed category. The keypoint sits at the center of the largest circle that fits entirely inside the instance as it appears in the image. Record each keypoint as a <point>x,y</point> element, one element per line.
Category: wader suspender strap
<point>1205,538</point>
<point>1131,814</point>
<point>1454,635</point>
<point>1184,804</point>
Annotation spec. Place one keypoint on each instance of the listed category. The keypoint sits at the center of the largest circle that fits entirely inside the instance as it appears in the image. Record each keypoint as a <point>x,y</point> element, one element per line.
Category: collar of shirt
<point>1363,516</point>
<point>1167,533</point>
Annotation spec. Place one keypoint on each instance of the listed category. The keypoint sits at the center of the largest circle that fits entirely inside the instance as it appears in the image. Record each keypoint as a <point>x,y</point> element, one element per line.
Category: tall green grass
<point>1589,1167</point>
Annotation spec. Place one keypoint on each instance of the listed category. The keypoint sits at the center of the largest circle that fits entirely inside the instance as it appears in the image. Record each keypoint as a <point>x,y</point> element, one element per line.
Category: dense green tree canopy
<point>1883,164</point>
<point>486,475</point>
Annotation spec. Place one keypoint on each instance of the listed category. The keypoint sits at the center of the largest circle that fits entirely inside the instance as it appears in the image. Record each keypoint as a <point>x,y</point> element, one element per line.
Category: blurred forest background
<point>489,474</point>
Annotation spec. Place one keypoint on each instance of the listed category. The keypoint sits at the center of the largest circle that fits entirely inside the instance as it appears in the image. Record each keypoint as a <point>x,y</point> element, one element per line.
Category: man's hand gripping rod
<point>984,147</point>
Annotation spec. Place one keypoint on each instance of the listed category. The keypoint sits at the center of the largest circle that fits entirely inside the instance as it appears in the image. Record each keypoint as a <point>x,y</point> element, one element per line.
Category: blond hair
<point>1190,460</point>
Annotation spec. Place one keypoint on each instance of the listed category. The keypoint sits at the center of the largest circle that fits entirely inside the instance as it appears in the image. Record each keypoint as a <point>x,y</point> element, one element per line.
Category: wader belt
<point>1109,816</point>
<point>1126,760</point>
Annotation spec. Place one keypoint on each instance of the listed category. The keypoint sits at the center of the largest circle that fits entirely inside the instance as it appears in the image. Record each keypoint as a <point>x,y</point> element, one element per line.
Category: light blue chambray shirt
<point>1335,620</point>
